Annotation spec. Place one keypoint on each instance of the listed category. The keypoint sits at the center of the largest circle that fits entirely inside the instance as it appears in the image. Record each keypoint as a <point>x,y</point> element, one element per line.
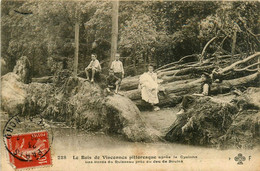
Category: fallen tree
<point>78,103</point>
<point>218,123</point>
<point>185,79</point>
<point>177,89</point>
<point>46,79</point>
<point>13,93</point>
<point>234,65</point>
<point>13,89</point>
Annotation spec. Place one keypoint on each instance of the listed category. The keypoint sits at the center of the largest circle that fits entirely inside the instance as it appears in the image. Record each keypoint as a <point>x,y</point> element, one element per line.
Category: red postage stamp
<point>29,150</point>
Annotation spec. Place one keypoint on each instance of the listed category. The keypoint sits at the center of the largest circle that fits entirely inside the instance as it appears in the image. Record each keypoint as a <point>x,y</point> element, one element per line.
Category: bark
<point>189,64</point>
<point>226,85</point>
<point>205,47</point>
<point>189,70</point>
<point>247,68</point>
<point>47,79</point>
<point>185,58</point>
<point>13,93</point>
<point>114,29</point>
<point>75,67</point>
<point>130,83</point>
<point>22,69</point>
<point>175,78</point>
<point>233,66</point>
<point>233,45</point>
<point>193,70</point>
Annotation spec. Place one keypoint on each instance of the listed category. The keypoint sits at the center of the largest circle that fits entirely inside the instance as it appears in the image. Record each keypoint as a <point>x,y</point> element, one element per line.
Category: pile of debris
<point>211,122</point>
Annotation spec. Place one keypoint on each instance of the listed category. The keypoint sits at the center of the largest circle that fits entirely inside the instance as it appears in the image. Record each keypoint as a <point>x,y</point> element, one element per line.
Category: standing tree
<point>114,30</point>
<point>75,68</point>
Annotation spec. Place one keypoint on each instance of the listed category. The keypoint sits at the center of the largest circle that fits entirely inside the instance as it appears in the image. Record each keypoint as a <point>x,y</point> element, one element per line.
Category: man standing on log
<point>93,68</point>
<point>204,91</point>
<point>118,69</point>
<point>149,87</point>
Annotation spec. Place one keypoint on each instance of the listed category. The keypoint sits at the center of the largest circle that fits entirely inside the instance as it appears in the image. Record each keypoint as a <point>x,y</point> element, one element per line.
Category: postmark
<point>28,141</point>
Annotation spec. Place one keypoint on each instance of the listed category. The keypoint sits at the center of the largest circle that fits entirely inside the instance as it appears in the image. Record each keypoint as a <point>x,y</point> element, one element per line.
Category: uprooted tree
<point>219,123</point>
<point>76,102</point>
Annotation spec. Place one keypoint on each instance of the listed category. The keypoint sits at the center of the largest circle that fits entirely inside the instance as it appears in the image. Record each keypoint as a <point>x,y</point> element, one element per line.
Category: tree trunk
<point>114,29</point>
<point>233,46</point>
<point>46,79</point>
<point>205,47</point>
<point>232,66</point>
<point>197,70</point>
<point>176,90</point>
<point>75,68</point>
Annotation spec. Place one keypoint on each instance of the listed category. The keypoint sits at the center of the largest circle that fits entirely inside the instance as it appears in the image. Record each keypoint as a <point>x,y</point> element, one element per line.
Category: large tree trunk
<point>75,67</point>
<point>114,29</point>
<point>175,90</point>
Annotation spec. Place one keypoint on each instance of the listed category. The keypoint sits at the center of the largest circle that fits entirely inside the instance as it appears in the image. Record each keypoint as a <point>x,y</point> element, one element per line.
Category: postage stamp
<point>29,148</point>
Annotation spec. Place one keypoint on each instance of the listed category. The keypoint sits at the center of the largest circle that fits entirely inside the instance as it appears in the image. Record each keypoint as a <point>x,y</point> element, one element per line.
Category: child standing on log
<point>204,91</point>
<point>118,69</point>
<point>112,82</point>
<point>149,87</point>
<point>93,68</point>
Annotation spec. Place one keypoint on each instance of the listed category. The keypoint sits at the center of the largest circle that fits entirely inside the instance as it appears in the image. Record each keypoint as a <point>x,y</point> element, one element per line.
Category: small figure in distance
<point>93,68</point>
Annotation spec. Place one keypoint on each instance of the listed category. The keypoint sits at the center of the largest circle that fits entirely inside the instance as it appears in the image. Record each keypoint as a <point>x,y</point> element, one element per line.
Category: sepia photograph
<point>151,85</point>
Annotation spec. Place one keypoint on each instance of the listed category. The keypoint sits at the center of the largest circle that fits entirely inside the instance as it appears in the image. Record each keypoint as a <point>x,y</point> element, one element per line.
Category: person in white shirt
<point>93,68</point>
<point>148,84</point>
<point>117,67</point>
<point>205,89</point>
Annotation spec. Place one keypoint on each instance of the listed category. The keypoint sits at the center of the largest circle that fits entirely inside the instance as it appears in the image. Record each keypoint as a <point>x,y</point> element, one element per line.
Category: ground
<point>162,120</point>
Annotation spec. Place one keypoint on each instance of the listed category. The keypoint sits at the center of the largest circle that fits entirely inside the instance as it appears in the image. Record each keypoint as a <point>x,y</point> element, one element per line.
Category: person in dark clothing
<point>112,82</point>
<point>204,91</point>
<point>216,75</point>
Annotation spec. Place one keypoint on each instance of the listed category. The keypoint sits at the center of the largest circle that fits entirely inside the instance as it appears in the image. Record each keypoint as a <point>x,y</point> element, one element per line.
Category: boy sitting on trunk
<point>112,82</point>
<point>93,69</point>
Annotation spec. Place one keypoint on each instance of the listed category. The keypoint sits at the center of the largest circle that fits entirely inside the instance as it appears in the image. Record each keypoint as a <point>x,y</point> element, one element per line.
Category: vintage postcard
<point>130,85</point>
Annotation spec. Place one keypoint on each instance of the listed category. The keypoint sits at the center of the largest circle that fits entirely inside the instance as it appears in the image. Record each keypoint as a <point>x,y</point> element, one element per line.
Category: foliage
<point>157,32</point>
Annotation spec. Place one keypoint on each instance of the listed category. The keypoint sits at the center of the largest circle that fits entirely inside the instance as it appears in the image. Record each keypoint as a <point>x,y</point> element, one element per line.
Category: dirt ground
<point>162,120</point>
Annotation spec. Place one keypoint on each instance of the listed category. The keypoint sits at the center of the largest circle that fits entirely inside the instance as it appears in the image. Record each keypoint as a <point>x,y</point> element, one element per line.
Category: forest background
<point>149,32</point>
